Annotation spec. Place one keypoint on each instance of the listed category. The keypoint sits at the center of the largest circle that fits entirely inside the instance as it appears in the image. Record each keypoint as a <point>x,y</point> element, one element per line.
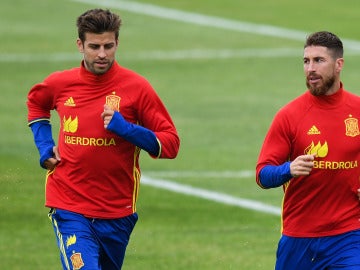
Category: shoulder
<point>298,104</point>
<point>293,112</point>
<point>351,96</point>
<point>127,72</point>
<point>63,76</point>
<point>130,78</point>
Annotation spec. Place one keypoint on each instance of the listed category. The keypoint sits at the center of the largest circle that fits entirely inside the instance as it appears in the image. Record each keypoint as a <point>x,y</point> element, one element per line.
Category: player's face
<point>322,71</point>
<point>99,51</point>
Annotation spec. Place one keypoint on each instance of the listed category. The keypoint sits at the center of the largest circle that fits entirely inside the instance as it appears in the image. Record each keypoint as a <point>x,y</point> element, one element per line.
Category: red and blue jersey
<point>99,172</point>
<point>324,203</point>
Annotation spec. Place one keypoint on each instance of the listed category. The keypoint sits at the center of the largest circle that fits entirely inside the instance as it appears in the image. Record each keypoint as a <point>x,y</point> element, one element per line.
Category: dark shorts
<point>87,243</point>
<point>331,252</point>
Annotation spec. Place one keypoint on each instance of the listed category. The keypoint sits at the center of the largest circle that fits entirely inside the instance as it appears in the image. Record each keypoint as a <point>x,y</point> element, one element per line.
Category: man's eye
<point>109,46</point>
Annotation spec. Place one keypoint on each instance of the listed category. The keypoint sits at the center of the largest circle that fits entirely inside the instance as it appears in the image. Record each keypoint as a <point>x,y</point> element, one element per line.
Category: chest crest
<point>113,101</point>
<point>352,126</point>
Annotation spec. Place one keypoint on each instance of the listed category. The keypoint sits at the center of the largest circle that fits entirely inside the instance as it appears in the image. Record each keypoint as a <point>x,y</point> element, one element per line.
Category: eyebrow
<point>108,43</point>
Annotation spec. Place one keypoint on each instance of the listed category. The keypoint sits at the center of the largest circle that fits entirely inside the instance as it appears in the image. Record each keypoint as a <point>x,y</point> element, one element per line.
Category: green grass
<point>222,108</point>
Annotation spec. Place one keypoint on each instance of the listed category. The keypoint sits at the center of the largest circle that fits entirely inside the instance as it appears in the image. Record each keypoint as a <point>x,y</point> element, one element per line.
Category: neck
<point>334,88</point>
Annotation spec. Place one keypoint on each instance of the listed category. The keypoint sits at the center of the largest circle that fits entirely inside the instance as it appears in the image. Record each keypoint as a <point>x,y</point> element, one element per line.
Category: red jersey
<point>99,173</point>
<point>324,203</point>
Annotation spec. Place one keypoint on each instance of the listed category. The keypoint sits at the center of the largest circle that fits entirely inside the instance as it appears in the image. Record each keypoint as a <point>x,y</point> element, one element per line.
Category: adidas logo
<point>70,102</point>
<point>313,131</point>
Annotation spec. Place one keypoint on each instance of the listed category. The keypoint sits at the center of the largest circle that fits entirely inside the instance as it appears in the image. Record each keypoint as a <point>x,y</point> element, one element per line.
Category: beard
<point>321,88</point>
<point>90,65</point>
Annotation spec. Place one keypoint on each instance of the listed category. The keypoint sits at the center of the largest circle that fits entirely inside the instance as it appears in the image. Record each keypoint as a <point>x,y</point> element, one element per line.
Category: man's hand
<point>51,163</point>
<point>302,165</point>
<point>107,115</point>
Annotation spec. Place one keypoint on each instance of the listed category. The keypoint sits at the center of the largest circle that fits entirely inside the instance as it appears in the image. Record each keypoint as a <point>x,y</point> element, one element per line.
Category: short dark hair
<point>98,21</point>
<point>328,40</point>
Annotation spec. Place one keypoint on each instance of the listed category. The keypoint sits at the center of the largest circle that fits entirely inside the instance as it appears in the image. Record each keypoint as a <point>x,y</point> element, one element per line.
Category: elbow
<point>171,150</point>
<point>174,150</point>
<point>258,182</point>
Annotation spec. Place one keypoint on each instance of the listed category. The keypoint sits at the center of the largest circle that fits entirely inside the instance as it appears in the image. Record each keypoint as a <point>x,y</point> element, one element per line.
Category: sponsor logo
<point>113,101</point>
<point>335,165</point>
<point>70,125</point>
<point>352,127</point>
<point>319,150</point>
<point>313,131</point>
<point>84,141</point>
<point>71,240</point>
<point>77,261</point>
<point>70,102</point>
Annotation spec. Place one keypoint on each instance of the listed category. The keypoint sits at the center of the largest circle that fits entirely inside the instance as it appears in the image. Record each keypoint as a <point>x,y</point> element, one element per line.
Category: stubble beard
<point>97,71</point>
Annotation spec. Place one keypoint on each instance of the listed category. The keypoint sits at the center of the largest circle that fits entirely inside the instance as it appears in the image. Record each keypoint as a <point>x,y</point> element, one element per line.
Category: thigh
<point>294,253</point>
<point>114,237</point>
<point>344,251</point>
<point>79,249</point>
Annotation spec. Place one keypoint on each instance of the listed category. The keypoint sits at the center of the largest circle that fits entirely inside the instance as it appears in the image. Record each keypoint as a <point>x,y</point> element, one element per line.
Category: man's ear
<point>339,64</point>
<point>80,45</point>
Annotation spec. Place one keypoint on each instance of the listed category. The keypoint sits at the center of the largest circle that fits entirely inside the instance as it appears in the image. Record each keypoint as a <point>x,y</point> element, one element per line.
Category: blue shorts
<point>91,244</point>
<point>331,252</point>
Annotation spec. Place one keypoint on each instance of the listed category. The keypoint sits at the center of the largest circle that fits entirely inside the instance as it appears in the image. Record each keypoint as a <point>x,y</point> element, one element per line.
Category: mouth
<point>101,64</point>
<point>313,79</point>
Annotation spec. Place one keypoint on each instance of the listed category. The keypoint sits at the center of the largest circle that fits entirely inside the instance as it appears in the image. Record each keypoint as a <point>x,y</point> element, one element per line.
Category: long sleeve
<point>274,176</point>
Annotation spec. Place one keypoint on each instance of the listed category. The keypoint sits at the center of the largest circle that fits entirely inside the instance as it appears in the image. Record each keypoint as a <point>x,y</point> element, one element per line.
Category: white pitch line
<point>210,21</point>
<point>216,54</point>
<point>162,55</point>
<point>39,57</point>
<point>211,195</point>
<point>352,46</point>
<point>157,55</point>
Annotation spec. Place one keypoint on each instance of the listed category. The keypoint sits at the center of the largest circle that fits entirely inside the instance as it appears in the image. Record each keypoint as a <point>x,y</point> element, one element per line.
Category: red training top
<point>99,173</point>
<point>324,203</point>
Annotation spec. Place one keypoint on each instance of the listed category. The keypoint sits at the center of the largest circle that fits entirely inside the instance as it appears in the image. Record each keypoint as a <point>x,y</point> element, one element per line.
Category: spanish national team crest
<point>352,126</point>
<point>77,261</point>
<point>113,101</point>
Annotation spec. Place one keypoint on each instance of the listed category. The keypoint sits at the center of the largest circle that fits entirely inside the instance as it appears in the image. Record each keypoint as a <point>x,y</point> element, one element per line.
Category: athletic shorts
<point>331,252</point>
<point>91,244</point>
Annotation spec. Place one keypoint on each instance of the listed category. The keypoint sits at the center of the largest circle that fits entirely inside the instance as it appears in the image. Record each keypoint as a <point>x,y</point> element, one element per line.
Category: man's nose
<point>102,53</point>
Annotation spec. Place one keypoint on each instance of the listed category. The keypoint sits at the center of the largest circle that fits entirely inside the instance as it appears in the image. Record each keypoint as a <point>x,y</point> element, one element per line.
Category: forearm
<point>274,176</point>
<point>43,139</point>
<point>137,135</point>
